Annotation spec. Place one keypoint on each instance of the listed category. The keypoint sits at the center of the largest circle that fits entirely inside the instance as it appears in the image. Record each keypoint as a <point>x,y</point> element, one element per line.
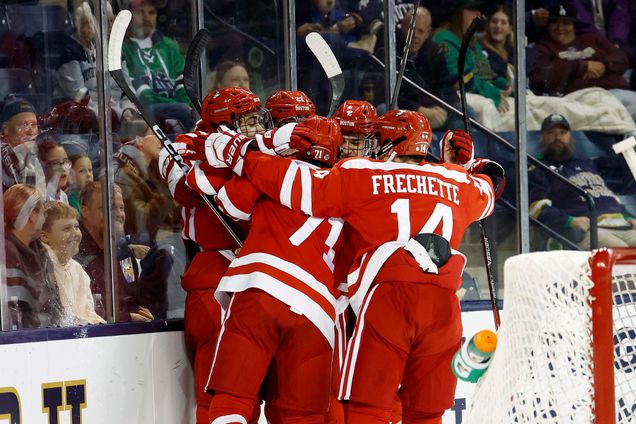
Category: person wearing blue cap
<point>20,163</point>
<point>564,210</point>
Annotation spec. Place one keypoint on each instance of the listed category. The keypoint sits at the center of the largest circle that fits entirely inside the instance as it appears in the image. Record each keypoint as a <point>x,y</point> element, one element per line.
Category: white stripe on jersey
<point>228,419</point>
<point>288,182</point>
<point>379,256</point>
<point>484,187</point>
<point>287,267</point>
<point>305,183</point>
<point>230,208</point>
<point>352,351</point>
<point>225,315</point>
<point>202,181</point>
<point>297,300</point>
<point>458,176</point>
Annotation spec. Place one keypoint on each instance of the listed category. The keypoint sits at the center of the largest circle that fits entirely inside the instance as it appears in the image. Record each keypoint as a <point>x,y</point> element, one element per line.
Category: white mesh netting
<point>541,370</point>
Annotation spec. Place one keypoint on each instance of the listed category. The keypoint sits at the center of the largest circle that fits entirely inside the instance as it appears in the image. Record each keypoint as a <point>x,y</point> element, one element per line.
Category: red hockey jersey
<point>287,254</point>
<point>386,204</point>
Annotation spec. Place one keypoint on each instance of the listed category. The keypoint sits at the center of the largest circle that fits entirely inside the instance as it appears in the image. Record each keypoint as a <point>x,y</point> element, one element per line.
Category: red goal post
<point>567,342</point>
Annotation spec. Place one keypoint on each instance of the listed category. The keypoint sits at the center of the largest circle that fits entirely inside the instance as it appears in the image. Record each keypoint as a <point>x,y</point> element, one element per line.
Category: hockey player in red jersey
<point>356,119</point>
<point>408,221</point>
<point>280,303</point>
<point>240,110</point>
<point>287,106</point>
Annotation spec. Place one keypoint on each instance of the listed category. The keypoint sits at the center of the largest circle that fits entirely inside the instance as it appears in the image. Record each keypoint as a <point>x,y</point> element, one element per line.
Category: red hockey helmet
<point>226,105</point>
<point>328,140</point>
<point>406,132</point>
<point>356,116</point>
<point>288,105</point>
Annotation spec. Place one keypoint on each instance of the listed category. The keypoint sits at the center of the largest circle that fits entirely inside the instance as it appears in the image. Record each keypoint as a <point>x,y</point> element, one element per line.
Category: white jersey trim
<point>228,419</point>
<point>230,208</point>
<point>353,348</point>
<point>288,267</point>
<point>288,182</point>
<point>297,300</point>
<point>458,176</point>
<point>305,183</point>
<point>202,181</point>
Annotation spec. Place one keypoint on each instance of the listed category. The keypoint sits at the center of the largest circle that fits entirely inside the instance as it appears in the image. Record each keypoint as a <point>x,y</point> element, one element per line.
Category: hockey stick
<point>193,57</point>
<point>405,53</point>
<point>117,34</point>
<point>329,63</point>
<point>485,240</point>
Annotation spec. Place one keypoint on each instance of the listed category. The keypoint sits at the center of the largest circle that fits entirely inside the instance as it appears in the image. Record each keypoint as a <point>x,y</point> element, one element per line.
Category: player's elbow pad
<point>492,170</point>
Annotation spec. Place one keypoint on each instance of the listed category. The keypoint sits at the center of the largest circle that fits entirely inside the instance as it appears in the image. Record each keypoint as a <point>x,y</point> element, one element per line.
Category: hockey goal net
<point>561,357</point>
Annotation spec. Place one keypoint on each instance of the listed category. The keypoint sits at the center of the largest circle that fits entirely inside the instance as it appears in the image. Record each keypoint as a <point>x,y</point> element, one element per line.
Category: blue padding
<point>102,330</point>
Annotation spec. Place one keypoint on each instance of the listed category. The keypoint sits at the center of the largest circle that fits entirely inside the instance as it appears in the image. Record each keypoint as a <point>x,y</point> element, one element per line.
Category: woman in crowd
<point>478,75</point>
<point>30,275</point>
<point>497,42</point>
<point>231,73</point>
<point>61,235</point>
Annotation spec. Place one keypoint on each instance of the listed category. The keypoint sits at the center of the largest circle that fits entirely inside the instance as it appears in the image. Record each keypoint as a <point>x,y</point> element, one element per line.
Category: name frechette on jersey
<point>414,184</point>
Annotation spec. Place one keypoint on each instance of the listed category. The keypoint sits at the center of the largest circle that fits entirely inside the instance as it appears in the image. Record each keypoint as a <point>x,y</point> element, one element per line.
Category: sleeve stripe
<point>202,181</point>
<point>230,208</point>
<point>305,182</point>
<point>485,187</point>
<point>288,182</point>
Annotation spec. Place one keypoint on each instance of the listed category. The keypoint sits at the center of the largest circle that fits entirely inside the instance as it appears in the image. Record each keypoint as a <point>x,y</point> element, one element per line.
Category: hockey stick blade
<point>117,34</point>
<point>329,64</point>
<point>193,57</point>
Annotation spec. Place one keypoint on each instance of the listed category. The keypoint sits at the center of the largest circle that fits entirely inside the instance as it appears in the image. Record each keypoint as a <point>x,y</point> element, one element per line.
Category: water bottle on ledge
<point>473,358</point>
<point>15,313</point>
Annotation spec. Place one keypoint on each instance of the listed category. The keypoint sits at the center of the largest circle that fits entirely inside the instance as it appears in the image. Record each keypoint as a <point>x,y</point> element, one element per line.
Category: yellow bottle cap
<point>485,340</point>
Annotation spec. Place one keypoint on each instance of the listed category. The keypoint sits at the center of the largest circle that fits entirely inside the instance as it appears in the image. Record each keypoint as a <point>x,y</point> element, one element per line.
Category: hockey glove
<point>492,170</point>
<point>227,148</point>
<point>194,145</point>
<point>456,147</point>
<point>285,141</point>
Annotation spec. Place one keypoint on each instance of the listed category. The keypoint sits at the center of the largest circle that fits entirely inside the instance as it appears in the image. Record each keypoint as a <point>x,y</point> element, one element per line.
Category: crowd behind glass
<point>53,153</point>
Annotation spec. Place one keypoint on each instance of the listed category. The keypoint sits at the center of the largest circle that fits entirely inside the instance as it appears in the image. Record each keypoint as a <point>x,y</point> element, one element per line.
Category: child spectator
<point>61,235</point>
<point>81,173</point>
<point>29,270</point>
<point>56,168</point>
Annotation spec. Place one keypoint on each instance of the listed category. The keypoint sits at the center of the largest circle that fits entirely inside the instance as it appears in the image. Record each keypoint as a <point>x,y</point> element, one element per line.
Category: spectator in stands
<point>498,44</point>
<point>61,235</point>
<point>426,66</point>
<point>608,17</point>
<point>231,73</point>
<point>155,65</point>
<point>76,78</point>
<point>91,254</point>
<point>478,75</point>
<point>561,208</point>
<point>81,174</point>
<point>145,206</point>
<point>29,270</point>
<point>20,162</point>
<point>56,168</point>
<point>565,62</point>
